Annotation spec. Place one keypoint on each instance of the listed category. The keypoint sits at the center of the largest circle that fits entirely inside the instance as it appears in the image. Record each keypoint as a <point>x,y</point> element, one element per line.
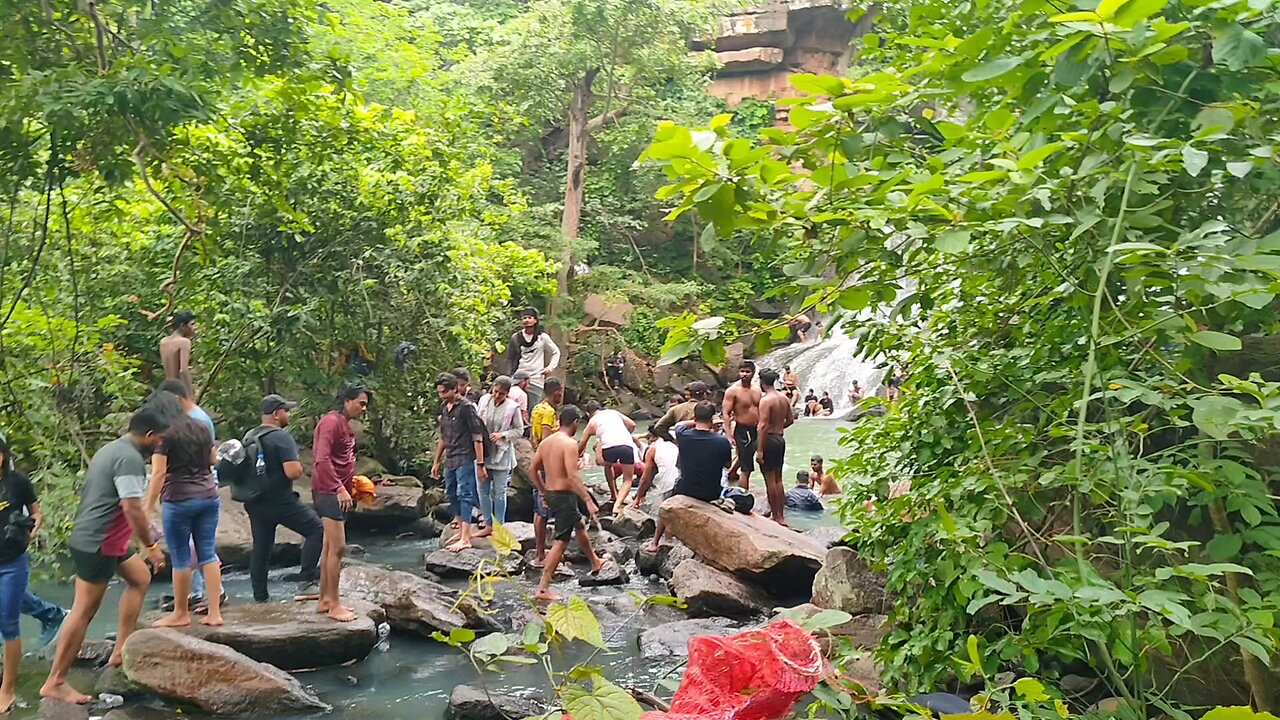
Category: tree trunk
<point>575,175</point>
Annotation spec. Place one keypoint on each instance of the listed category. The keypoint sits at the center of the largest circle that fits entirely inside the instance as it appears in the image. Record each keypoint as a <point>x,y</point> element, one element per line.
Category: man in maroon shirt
<point>332,483</point>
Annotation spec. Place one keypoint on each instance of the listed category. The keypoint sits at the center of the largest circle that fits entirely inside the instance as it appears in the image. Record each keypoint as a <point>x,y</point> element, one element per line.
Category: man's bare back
<point>743,404</point>
<point>776,414</point>
<point>175,355</point>
<point>559,453</point>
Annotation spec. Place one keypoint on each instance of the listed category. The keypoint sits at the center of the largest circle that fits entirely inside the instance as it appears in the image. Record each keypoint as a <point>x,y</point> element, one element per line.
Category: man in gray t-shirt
<point>110,514</point>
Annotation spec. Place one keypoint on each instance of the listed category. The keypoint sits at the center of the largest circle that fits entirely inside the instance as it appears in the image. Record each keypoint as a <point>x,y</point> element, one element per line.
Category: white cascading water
<point>828,365</point>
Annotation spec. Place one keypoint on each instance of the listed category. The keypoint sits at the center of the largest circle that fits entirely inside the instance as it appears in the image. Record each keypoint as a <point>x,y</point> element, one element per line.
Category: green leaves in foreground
<point>604,701</point>
<point>575,621</point>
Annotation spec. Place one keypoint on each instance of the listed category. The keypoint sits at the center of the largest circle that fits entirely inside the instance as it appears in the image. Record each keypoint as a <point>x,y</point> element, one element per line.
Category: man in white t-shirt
<point>614,430</point>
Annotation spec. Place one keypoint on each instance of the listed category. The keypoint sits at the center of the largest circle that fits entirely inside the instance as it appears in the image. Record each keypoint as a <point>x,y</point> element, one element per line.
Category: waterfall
<point>830,364</point>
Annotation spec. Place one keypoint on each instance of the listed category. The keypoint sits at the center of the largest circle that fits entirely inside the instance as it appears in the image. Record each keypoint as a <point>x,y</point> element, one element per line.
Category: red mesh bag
<point>755,675</point>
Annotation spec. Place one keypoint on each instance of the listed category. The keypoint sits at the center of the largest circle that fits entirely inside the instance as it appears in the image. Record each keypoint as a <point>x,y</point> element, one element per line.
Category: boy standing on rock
<point>565,495</point>
<point>110,514</point>
<point>332,483</point>
<point>776,415</point>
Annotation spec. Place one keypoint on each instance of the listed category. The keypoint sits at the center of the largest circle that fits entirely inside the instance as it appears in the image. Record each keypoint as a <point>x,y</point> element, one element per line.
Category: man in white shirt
<point>618,447</point>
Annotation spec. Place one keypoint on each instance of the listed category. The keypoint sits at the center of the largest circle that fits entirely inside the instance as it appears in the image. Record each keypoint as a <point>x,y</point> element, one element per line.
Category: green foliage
<point>1066,222</point>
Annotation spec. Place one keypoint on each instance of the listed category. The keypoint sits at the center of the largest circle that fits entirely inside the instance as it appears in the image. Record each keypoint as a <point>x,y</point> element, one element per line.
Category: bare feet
<point>323,607</point>
<point>7,699</point>
<point>459,546</point>
<point>539,563</point>
<point>64,692</point>
<point>213,620</point>
<point>173,620</point>
<point>599,565</point>
<point>116,659</point>
<point>546,596</point>
<point>486,532</point>
<point>342,614</point>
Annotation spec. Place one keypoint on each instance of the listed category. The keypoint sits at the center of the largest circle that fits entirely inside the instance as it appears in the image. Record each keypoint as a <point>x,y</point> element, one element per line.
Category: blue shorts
<point>13,589</point>
<point>192,520</point>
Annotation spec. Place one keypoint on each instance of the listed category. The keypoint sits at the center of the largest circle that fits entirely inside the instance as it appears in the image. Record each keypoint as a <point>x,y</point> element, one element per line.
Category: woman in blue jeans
<point>19,517</point>
<point>182,477</point>
<point>505,423</point>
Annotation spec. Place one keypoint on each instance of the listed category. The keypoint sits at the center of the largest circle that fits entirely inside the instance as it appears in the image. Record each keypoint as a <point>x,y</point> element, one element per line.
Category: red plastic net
<point>755,675</point>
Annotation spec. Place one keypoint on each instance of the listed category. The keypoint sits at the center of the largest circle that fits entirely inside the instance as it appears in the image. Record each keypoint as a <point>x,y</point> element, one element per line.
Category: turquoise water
<point>410,678</point>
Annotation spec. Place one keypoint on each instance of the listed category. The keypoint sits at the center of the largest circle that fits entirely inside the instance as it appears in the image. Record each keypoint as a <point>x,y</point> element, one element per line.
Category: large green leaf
<point>991,69</point>
<point>1238,47</point>
<point>1194,160</point>
<point>1216,340</point>
<point>575,621</point>
<point>604,701</point>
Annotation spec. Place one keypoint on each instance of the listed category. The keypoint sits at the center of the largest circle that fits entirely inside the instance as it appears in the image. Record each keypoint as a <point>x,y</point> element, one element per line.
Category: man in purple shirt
<point>332,484</point>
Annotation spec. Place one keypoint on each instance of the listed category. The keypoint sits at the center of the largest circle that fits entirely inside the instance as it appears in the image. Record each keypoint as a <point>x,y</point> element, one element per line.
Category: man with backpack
<point>264,483</point>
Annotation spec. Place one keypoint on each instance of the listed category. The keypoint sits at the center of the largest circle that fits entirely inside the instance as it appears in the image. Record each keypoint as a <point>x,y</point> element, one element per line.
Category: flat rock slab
<point>523,532</point>
<point>750,546</point>
<point>715,593</point>
<point>673,638</point>
<point>464,563</point>
<point>213,677</point>
<point>412,604</point>
<point>470,702</point>
<point>290,635</point>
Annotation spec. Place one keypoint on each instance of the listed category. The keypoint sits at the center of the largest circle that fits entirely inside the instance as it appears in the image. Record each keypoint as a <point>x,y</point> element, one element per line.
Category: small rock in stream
<point>468,702</point>
<point>611,574</point>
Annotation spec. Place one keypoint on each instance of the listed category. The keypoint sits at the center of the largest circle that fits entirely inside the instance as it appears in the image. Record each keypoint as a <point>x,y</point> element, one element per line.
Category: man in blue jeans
<point>461,451</point>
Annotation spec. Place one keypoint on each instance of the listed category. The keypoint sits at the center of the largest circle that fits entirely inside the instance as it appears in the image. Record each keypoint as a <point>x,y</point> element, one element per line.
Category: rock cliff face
<point>760,47</point>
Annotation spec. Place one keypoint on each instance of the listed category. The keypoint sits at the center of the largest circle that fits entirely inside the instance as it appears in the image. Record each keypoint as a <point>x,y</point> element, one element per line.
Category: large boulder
<point>599,310</point>
<point>411,603</point>
<point>213,677</point>
<point>393,506</point>
<point>846,583</point>
<point>630,524</point>
<point>664,562</point>
<point>673,638</point>
<point>469,702</point>
<point>749,546</point>
<point>463,564</point>
<point>636,373</point>
<point>714,593</point>
<point>290,635</point>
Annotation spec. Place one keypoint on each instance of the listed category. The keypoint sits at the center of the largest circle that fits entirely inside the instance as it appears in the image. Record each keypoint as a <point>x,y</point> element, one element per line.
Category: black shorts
<point>775,451</point>
<point>624,454</point>
<point>566,512</point>
<point>327,506</point>
<point>746,437</point>
<point>96,568</point>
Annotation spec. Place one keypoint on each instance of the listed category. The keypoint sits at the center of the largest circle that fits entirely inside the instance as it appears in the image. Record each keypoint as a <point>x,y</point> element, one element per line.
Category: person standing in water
<point>533,351</point>
<point>776,415</point>
<point>175,349</point>
<point>555,472</point>
<point>825,481</point>
<point>332,483</point>
<point>110,514</point>
<point>741,412</point>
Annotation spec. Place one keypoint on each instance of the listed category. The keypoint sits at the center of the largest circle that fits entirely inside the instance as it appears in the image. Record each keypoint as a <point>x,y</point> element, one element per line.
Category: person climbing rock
<point>332,484</point>
<point>704,455</point>
<point>617,447</point>
<point>776,415</point>
<point>459,457</point>
<point>533,351</point>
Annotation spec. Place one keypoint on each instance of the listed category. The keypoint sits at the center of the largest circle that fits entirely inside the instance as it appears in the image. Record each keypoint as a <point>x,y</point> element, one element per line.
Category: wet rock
<point>714,593</point>
<point>664,562</point>
<point>93,653</point>
<point>469,702</point>
<point>673,638</point>
<point>212,677</point>
<point>290,635</point>
<point>604,543</point>
<point>392,507</point>
<point>138,712</point>
<point>442,513</point>
<point>631,524</point>
<point>423,527</point>
<point>563,572</point>
<point>611,574</point>
<point>519,504</point>
<point>463,564</point>
<point>846,583</point>
<point>828,537</point>
<point>749,546</point>
<point>115,682</point>
<point>522,476</point>
<point>59,710</point>
<point>411,603</point>
<point>523,532</point>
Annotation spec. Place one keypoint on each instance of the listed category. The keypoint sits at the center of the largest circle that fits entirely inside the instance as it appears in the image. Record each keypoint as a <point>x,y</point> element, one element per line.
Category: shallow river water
<point>410,679</point>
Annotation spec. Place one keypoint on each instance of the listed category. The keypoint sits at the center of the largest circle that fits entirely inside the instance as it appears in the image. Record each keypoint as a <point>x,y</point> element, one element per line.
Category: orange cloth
<point>365,489</point>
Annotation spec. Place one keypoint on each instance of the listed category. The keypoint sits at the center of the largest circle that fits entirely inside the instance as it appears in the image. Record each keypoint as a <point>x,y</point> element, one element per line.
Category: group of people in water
<point>699,449</point>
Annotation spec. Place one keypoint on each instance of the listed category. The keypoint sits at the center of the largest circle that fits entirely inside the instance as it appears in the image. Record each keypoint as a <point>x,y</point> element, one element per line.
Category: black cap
<point>697,389</point>
<point>529,312</point>
<point>272,403</point>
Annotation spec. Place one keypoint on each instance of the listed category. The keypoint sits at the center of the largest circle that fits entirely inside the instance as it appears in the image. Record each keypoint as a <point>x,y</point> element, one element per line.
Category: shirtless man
<point>776,415</point>
<point>790,385</point>
<point>741,411</point>
<point>823,480</point>
<point>555,473</point>
<point>175,349</point>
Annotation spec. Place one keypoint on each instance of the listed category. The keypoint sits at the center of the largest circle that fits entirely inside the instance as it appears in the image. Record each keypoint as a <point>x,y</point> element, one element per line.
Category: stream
<point>407,678</point>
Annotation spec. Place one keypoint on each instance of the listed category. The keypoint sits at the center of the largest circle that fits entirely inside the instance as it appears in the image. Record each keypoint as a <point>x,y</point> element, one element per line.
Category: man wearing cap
<point>696,392</point>
<point>277,503</point>
<point>533,351</point>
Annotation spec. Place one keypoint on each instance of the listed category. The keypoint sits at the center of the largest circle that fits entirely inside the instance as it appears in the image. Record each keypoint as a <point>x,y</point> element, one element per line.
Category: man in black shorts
<point>704,455</point>
<point>776,415</point>
<point>555,473</point>
<point>741,411</point>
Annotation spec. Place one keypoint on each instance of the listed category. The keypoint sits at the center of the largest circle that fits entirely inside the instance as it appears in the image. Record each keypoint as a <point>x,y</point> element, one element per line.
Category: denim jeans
<point>192,520</point>
<point>39,608</point>
<point>13,590</point>
<point>460,486</point>
<point>493,496</point>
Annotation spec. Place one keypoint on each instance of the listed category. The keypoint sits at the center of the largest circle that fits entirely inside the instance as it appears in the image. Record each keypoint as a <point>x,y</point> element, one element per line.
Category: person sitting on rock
<point>802,497</point>
<point>660,471</point>
<point>826,404</point>
<point>555,473</point>
<point>704,455</point>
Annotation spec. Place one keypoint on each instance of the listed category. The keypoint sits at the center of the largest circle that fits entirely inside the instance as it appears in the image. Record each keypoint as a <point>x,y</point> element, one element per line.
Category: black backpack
<point>246,478</point>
